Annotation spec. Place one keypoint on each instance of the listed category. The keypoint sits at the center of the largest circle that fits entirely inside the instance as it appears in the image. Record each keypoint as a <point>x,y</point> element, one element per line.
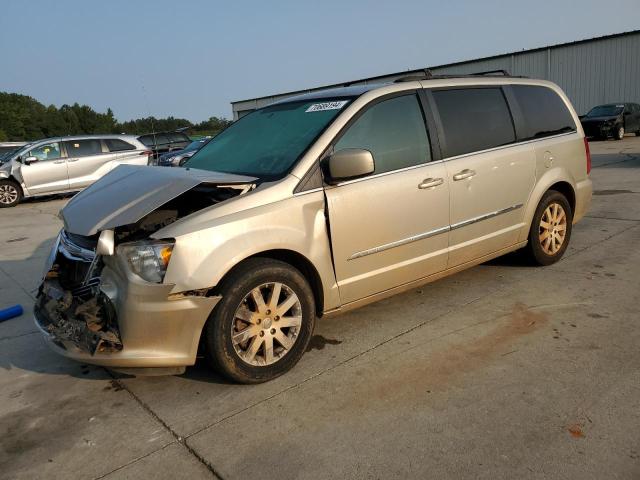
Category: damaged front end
<point>95,303</point>
<point>70,306</point>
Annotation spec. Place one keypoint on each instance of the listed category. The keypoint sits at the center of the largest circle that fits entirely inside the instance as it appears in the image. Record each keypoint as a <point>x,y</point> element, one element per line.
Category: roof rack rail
<point>427,74</point>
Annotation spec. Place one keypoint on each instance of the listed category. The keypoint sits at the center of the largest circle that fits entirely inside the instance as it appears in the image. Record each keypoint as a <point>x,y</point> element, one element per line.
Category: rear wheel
<point>550,230</point>
<point>263,324</point>
<point>10,193</point>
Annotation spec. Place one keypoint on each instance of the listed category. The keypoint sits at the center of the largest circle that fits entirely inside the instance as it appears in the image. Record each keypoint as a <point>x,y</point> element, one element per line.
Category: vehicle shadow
<point>47,198</point>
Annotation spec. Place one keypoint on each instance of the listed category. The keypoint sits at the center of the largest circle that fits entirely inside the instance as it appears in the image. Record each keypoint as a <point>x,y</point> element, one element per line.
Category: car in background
<point>163,142</point>
<point>612,120</point>
<point>7,148</point>
<point>178,157</point>
<point>66,164</point>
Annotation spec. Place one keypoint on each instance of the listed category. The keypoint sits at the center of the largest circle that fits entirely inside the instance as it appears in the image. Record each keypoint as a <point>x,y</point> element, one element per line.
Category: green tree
<point>24,118</point>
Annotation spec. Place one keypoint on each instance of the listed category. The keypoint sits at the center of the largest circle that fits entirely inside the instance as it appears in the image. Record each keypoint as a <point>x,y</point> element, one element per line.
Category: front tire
<point>550,230</point>
<point>619,135</point>
<point>10,193</point>
<point>263,323</point>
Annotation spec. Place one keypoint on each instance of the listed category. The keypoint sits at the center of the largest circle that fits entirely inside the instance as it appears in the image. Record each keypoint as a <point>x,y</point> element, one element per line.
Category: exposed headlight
<point>175,161</point>
<point>147,259</point>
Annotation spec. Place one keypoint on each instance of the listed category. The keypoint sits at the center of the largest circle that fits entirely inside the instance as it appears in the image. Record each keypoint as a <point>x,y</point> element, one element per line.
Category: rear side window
<point>544,112</point>
<point>117,145</point>
<point>393,131</point>
<point>82,148</point>
<point>474,119</point>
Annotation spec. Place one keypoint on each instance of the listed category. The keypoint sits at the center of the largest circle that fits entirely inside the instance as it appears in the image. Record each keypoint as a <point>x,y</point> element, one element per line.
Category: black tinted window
<point>117,145</point>
<point>82,148</point>
<point>178,137</point>
<point>474,119</point>
<point>393,131</point>
<point>544,112</point>
<point>151,140</point>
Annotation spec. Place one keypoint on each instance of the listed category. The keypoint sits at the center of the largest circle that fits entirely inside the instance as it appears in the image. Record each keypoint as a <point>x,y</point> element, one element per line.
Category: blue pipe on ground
<point>9,313</point>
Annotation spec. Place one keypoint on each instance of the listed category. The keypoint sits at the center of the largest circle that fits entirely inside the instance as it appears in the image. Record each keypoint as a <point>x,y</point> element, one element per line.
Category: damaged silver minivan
<point>308,207</point>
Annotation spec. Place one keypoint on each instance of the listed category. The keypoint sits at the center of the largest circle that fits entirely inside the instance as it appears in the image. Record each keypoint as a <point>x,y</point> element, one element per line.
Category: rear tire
<point>10,193</point>
<point>550,230</point>
<point>252,337</point>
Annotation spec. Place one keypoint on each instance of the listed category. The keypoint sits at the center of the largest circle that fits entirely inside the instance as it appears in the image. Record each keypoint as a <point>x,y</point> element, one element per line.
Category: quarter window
<point>544,112</point>
<point>474,119</point>
<point>82,148</point>
<point>48,151</point>
<point>393,131</point>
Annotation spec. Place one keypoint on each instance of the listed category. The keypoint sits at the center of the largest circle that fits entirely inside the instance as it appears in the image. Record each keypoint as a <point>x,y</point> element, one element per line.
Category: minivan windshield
<point>605,111</point>
<point>267,142</point>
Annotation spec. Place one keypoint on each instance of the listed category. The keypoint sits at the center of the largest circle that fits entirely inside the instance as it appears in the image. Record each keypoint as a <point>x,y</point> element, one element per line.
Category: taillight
<point>146,152</point>
<point>588,152</point>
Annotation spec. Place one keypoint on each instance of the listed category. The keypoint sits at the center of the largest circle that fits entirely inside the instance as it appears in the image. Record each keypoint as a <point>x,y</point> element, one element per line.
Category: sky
<point>190,59</point>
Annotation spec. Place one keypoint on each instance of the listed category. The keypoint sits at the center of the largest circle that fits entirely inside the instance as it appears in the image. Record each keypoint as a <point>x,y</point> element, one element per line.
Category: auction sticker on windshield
<point>321,107</point>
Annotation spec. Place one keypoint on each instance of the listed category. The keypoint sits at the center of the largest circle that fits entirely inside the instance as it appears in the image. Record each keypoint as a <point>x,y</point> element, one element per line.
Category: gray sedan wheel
<point>10,193</point>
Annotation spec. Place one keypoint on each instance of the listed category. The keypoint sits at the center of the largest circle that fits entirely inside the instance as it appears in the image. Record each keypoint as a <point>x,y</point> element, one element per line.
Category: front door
<point>490,179</point>
<point>48,173</point>
<point>392,227</point>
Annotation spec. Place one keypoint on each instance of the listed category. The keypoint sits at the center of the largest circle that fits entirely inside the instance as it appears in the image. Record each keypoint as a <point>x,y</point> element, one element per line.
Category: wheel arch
<point>567,190</point>
<point>558,181</point>
<point>297,261</point>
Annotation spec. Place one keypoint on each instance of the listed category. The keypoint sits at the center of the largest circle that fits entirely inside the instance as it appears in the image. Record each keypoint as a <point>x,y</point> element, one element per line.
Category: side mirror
<point>348,164</point>
<point>626,114</point>
<point>29,160</point>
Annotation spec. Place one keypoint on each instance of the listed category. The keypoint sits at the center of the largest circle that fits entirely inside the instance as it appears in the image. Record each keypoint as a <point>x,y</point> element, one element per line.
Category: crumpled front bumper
<point>156,328</point>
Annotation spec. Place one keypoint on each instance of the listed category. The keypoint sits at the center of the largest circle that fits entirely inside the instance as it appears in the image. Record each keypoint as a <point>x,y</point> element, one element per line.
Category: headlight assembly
<point>147,259</point>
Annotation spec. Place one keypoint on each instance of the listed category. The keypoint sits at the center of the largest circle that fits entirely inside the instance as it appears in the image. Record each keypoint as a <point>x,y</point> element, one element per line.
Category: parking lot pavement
<point>501,371</point>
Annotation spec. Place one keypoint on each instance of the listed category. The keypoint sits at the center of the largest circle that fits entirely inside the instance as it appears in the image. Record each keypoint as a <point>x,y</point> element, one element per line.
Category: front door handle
<point>59,161</point>
<point>73,160</point>
<point>466,173</point>
<point>430,182</point>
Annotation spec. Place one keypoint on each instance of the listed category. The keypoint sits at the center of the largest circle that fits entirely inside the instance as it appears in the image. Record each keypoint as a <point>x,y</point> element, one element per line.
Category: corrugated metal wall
<point>602,70</point>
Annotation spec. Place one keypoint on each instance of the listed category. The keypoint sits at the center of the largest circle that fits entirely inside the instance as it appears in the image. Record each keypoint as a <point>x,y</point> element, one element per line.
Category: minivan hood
<point>129,192</point>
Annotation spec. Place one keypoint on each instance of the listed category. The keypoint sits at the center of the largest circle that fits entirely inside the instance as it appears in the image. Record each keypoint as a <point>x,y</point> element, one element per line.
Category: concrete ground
<point>502,371</point>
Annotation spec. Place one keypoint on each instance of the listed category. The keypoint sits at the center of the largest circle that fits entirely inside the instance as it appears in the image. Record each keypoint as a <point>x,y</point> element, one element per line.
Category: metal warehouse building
<point>591,72</point>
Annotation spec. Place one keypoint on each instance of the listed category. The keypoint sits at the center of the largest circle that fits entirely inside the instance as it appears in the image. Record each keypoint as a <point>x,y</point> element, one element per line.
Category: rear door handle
<point>466,173</point>
<point>73,160</point>
<point>430,182</point>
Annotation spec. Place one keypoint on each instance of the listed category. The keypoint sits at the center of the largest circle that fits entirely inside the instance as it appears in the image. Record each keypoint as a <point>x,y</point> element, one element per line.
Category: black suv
<point>163,142</point>
<point>612,120</point>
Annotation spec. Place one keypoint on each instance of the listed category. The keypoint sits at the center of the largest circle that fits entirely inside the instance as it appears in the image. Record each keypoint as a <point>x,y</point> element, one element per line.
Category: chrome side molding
<point>431,233</point>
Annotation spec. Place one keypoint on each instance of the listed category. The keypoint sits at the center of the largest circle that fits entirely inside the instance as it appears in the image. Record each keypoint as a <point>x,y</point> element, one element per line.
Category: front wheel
<point>10,193</point>
<point>263,323</point>
<point>619,135</point>
<point>550,230</point>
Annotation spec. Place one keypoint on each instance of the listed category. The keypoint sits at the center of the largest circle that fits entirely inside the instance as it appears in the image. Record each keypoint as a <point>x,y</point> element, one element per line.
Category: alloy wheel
<point>8,194</point>
<point>553,228</point>
<point>266,324</point>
